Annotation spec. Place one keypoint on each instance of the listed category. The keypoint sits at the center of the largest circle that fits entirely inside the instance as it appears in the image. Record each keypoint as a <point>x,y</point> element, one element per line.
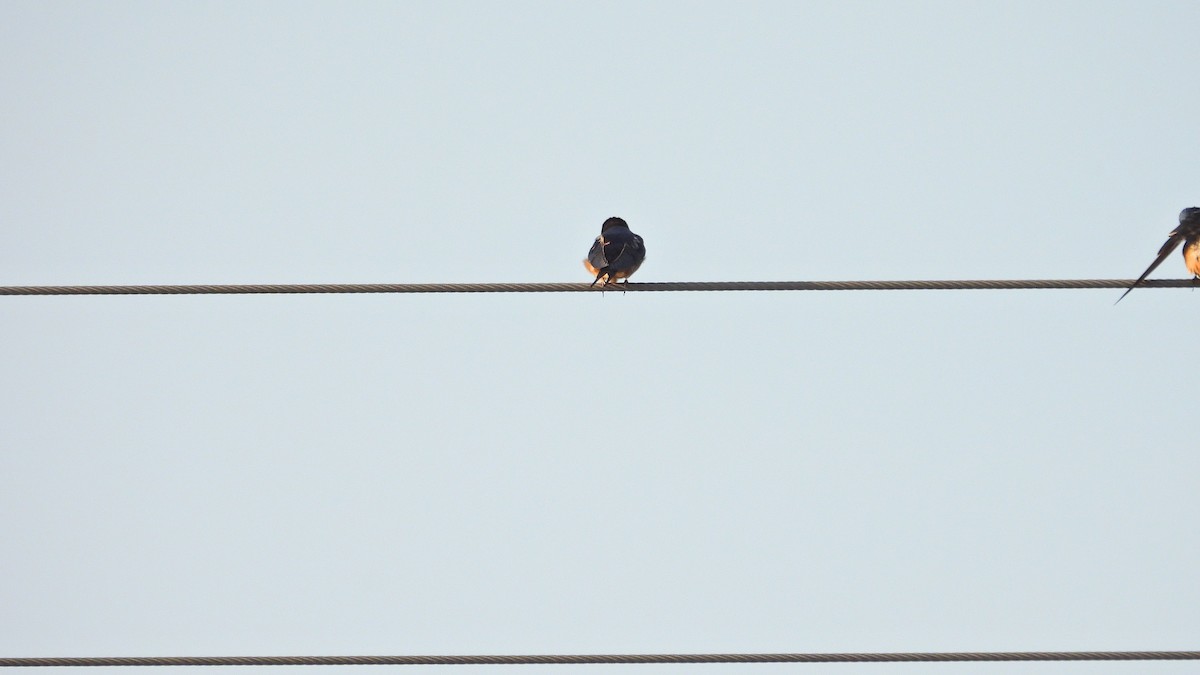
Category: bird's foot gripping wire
<point>613,285</point>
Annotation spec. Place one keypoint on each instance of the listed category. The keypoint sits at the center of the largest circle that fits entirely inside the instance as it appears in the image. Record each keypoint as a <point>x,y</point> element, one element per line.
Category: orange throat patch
<point>1191,257</point>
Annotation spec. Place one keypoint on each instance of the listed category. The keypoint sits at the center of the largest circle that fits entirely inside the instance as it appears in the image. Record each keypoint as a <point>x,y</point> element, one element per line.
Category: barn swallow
<point>616,254</point>
<point>1188,233</point>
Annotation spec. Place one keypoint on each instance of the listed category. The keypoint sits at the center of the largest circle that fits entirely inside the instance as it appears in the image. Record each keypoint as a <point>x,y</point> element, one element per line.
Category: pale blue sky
<point>900,471</point>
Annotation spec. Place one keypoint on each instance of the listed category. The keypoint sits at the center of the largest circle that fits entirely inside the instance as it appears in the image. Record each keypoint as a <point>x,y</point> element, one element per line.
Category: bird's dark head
<point>613,222</point>
<point>1186,214</point>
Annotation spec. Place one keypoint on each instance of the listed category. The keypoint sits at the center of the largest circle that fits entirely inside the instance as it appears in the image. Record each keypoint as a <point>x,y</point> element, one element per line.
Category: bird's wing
<point>640,248</point>
<point>1173,241</point>
<point>624,251</point>
<point>596,259</point>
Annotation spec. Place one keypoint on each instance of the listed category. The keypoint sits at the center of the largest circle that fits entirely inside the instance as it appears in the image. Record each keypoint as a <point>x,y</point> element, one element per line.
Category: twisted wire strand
<point>917,285</point>
<point>577,659</point>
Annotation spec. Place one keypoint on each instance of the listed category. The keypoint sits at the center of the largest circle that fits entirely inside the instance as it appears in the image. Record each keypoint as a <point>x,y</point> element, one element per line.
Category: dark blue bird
<point>616,254</point>
<point>1188,234</point>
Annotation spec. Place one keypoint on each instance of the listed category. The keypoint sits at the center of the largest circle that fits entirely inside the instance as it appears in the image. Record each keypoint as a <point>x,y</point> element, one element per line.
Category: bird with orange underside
<point>616,254</point>
<point>1188,234</point>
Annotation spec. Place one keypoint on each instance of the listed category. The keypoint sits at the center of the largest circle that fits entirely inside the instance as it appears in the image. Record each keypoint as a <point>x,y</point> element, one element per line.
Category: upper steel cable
<point>950,285</point>
<point>576,659</point>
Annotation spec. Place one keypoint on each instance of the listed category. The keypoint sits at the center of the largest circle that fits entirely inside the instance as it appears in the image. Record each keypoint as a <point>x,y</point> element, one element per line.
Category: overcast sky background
<point>570,473</point>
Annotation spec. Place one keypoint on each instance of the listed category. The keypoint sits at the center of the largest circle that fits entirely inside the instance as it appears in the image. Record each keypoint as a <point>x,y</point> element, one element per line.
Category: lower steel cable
<point>951,285</point>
